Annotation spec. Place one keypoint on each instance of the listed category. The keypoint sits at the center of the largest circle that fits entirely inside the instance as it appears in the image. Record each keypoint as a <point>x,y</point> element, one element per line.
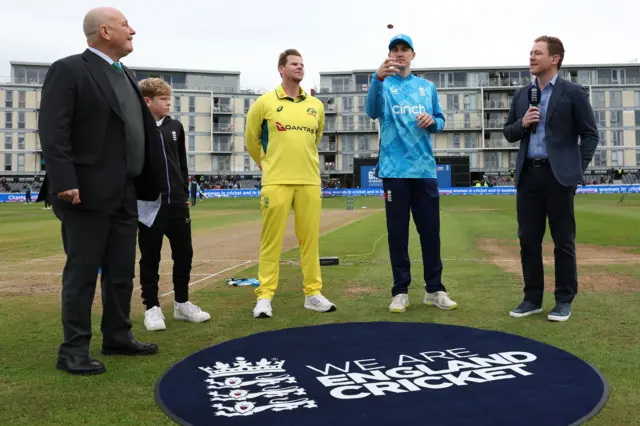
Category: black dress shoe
<point>80,365</point>
<point>132,348</point>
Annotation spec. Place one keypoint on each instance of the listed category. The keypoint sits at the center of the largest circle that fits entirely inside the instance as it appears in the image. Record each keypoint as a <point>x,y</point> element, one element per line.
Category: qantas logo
<point>284,128</point>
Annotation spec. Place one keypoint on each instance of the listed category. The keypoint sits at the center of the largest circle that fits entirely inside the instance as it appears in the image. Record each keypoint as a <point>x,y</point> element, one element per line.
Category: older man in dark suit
<point>558,140</point>
<point>100,145</point>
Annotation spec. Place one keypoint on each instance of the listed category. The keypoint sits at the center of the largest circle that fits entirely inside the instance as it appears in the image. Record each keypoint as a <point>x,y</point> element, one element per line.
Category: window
<point>192,104</point>
<point>617,158</point>
<point>21,120</point>
<point>601,119</point>
<point>21,142</point>
<point>617,138</point>
<point>192,123</point>
<point>8,119</point>
<point>513,158</point>
<point>222,163</point>
<point>491,160</point>
<point>602,138</point>
<point>9,99</point>
<point>347,104</point>
<point>7,162</point>
<point>247,163</point>
<point>347,143</point>
<point>637,137</point>
<point>330,123</point>
<point>637,113</point>
<point>600,158</point>
<point>453,102</point>
<point>470,140</point>
<point>347,162</point>
<point>22,99</point>
<point>176,104</point>
<point>598,98</point>
<point>192,143</point>
<point>192,163</point>
<point>8,141</point>
<point>247,104</point>
<point>454,141</point>
<point>615,98</point>
<point>470,101</point>
<point>347,123</point>
<point>365,123</point>
<point>616,118</point>
<point>21,162</point>
<point>636,98</point>
<point>221,143</point>
<point>364,143</point>
<point>637,157</point>
<point>361,102</point>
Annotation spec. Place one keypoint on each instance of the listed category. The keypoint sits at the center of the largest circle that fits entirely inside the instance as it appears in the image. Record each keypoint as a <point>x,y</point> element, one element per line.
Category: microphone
<point>534,99</point>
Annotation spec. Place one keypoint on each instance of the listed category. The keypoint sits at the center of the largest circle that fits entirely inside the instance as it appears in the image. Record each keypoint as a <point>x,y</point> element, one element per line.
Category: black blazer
<point>569,117</point>
<point>82,134</point>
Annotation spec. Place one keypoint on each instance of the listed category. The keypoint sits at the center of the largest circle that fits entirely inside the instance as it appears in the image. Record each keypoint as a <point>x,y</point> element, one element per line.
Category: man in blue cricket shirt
<point>408,110</point>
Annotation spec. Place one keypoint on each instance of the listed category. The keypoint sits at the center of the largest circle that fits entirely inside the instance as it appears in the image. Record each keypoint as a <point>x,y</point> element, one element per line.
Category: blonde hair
<point>152,87</point>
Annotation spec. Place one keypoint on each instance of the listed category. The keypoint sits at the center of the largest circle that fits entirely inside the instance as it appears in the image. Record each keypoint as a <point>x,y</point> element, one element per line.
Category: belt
<point>536,162</point>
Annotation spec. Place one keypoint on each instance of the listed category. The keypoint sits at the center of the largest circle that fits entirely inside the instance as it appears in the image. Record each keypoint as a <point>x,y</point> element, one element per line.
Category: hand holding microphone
<point>532,115</point>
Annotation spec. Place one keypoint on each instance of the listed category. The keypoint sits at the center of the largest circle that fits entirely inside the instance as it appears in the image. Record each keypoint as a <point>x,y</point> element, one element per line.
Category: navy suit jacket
<point>571,131</point>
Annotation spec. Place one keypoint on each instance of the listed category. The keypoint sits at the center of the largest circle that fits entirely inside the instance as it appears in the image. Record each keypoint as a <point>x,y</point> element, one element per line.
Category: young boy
<point>173,219</point>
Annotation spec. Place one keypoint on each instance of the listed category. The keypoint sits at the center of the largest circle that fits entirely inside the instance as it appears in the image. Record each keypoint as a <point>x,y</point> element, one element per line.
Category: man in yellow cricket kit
<point>283,130</point>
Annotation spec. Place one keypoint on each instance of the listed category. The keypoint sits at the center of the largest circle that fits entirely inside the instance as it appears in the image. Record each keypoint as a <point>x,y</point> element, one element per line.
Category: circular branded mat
<point>381,373</point>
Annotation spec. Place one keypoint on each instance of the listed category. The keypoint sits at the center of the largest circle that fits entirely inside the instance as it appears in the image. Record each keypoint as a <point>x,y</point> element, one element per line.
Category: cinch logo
<point>406,109</point>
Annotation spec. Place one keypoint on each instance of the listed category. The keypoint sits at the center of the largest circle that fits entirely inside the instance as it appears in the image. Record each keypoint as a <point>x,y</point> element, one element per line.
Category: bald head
<point>96,18</point>
<point>108,30</point>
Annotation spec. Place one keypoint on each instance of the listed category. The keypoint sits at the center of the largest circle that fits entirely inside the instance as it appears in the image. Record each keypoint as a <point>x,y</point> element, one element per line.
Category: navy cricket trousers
<point>420,198</point>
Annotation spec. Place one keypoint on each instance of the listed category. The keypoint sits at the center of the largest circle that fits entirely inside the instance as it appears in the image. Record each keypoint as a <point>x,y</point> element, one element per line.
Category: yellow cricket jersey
<point>282,136</point>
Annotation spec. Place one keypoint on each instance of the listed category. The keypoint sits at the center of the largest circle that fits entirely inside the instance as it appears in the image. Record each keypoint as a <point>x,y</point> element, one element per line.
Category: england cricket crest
<point>244,388</point>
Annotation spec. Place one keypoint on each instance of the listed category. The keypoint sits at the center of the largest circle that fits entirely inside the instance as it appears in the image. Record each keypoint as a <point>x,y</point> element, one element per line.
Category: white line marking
<point>213,275</point>
<point>30,244</point>
<point>60,273</point>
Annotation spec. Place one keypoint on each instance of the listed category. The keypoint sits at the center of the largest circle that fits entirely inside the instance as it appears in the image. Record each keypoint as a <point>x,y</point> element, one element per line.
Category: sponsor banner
<point>375,192</point>
<point>368,178</point>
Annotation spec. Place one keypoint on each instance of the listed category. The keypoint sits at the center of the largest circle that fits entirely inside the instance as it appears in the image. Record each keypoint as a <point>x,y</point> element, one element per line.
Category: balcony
<point>460,125</point>
<point>330,108</point>
<point>495,123</point>
<point>222,147</point>
<point>327,147</point>
<point>222,128</point>
<point>500,143</point>
<point>497,104</point>
<point>221,109</point>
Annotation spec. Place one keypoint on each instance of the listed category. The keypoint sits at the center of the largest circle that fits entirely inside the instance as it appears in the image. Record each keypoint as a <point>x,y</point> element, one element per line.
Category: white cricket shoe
<point>154,319</point>
<point>319,303</point>
<point>262,309</point>
<point>439,299</point>
<point>399,303</point>
<point>187,311</point>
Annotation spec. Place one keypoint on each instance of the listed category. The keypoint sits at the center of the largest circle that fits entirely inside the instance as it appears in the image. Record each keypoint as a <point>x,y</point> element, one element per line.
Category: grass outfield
<point>480,271</point>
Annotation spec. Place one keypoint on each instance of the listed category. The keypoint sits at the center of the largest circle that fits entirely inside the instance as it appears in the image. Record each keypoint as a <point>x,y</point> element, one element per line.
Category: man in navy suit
<point>558,139</point>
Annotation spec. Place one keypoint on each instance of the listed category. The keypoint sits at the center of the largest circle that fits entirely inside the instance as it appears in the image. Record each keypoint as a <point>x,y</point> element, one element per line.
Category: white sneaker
<point>187,311</point>
<point>439,299</point>
<point>154,319</point>
<point>399,303</point>
<point>262,309</point>
<point>319,303</point>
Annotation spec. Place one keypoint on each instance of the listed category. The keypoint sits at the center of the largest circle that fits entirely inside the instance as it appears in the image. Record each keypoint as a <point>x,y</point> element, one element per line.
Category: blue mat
<point>383,374</point>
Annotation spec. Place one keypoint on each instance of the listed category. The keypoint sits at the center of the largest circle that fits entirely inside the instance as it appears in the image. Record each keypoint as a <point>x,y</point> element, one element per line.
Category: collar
<point>283,95</point>
<point>102,55</point>
<point>552,82</point>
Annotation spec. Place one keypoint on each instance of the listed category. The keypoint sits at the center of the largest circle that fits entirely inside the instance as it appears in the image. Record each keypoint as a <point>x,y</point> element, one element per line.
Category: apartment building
<point>476,104</point>
<point>210,104</point>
